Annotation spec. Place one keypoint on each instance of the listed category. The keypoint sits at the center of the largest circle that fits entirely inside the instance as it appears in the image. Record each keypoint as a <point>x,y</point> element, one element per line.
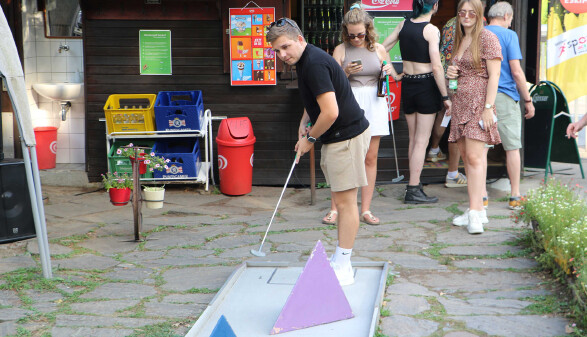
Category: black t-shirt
<point>319,73</point>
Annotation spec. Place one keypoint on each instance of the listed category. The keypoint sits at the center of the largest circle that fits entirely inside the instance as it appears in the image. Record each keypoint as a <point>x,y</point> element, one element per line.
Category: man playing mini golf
<point>338,122</point>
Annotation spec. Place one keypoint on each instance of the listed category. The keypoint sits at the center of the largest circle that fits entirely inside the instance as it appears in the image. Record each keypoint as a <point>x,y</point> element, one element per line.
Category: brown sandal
<point>368,218</point>
<point>330,218</point>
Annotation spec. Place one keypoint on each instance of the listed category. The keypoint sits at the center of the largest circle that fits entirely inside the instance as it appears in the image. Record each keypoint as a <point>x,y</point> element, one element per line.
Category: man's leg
<point>513,164</point>
<point>348,217</point>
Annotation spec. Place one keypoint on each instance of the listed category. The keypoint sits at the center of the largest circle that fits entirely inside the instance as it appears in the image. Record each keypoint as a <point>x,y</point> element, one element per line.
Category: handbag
<point>381,84</point>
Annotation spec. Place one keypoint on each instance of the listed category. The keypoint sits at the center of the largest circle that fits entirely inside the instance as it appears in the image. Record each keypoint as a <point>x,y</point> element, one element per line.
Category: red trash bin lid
<point>235,131</point>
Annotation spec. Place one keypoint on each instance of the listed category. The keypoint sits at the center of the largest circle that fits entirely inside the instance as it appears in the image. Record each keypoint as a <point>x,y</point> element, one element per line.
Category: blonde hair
<point>356,15</point>
<point>476,32</point>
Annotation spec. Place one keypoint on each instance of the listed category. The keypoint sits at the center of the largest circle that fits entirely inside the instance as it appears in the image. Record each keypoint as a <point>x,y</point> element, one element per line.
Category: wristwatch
<point>445,98</point>
<point>489,106</point>
<point>311,139</point>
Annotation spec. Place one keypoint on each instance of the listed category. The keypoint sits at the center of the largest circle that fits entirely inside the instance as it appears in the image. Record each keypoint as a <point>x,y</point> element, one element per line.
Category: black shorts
<point>421,95</point>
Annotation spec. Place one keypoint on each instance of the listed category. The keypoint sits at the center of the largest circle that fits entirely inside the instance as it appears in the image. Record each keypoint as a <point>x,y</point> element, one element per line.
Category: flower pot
<point>119,196</point>
<point>153,197</point>
<point>142,165</point>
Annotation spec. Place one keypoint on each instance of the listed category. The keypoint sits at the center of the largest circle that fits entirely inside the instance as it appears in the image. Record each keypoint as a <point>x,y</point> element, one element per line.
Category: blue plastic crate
<point>184,156</point>
<point>179,110</point>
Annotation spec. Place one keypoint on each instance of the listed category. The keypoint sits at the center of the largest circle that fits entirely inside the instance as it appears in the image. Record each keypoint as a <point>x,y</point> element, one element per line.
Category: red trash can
<point>46,138</point>
<point>235,141</point>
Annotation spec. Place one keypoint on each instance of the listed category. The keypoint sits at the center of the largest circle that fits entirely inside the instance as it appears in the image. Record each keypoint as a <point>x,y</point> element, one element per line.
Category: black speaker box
<point>16,215</point>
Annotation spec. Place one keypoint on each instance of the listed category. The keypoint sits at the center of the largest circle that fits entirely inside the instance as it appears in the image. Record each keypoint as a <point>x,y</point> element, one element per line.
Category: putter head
<point>257,253</point>
<point>398,179</point>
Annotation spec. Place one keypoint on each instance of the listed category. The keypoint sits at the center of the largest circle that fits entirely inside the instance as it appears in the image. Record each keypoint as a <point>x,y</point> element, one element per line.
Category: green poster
<point>155,50</point>
<point>384,27</point>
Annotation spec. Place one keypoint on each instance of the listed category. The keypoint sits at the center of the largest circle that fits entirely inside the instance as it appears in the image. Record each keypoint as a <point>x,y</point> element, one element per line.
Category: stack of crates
<point>179,110</point>
<point>122,164</point>
<point>184,156</point>
<point>130,113</point>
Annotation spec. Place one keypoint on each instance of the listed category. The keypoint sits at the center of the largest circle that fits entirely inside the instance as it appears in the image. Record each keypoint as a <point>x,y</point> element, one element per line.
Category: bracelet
<point>445,98</point>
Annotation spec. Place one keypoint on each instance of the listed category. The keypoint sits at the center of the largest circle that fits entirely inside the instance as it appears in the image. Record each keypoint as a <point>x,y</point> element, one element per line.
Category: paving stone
<point>142,256</point>
<point>86,262</point>
<point>97,321</point>
<point>516,294</point>
<point>12,314</point>
<point>482,306</point>
<point>472,281</point>
<point>103,307</point>
<point>197,277</point>
<point>241,253</point>
<point>512,263</point>
<point>278,257</point>
<point>182,261</point>
<point>121,291</point>
<point>232,241</point>
<point>406,260</point>
<point>294,247</point>
<point>372,244</point>
<point>173,238</point>
<point>9,299</point>
<point>54,249</point>
<point>408,288</point>
<point>110,245</point>
<point>407,305</point>
<point>8,264</point>
<point>7,328</point>
<point>94,332</point>
<point>307,236</point>
<point>189,253</point>
<point>188,298</point>
<point>459,236</point>
<point>479,250</point>
<point>460,334</point>
<point>172,310</point>
<point>517,325</point>
<point>46,307</point>
<point>398,325</point>
<point>40,296</point>
<point>129,274</point>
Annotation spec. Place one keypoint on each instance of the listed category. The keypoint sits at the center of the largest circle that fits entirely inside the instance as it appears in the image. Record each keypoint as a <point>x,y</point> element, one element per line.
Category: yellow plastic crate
<point>130,112</point>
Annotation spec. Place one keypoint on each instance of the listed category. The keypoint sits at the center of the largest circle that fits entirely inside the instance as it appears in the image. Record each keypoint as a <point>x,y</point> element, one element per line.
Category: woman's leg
<point>474,154</point>
<point>411,119</point>
<point>371,170</point>
<point>423,128</point>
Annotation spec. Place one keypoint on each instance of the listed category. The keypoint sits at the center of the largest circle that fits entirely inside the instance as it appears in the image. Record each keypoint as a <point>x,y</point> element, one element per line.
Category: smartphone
<point>481,122</point>
<point>357,62</point>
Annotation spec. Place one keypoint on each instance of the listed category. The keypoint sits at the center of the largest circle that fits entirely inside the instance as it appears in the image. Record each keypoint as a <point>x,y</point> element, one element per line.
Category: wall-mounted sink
<point>64,91</point>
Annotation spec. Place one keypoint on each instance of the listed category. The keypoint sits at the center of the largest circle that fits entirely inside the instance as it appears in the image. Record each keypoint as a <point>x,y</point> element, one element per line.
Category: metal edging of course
<point>545,137</point>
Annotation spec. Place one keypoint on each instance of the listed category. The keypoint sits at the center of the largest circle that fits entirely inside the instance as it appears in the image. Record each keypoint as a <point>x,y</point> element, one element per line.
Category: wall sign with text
<point>384,26</point>
<point>252,60</point>
<point>155,52</point>
<point>387,5</point>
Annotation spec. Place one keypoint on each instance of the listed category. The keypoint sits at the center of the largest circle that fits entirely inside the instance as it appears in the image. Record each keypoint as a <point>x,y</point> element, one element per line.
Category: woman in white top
<point>358,36</point>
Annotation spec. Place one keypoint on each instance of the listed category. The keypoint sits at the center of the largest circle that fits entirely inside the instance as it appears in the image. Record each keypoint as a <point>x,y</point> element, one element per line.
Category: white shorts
<point>375,109</point>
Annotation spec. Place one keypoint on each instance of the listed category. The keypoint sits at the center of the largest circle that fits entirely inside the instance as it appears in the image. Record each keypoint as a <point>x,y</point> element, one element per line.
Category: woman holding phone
<point>362,58</point>
<point>476,65</point>
<point>423,87</point>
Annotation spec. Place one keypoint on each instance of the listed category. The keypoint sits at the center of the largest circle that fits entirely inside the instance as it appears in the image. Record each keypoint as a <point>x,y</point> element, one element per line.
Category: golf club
<point>260,252</point>
<point>388,100</point>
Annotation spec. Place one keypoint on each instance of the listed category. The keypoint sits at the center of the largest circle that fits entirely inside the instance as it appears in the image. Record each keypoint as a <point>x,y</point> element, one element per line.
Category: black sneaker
<point>416,195</point>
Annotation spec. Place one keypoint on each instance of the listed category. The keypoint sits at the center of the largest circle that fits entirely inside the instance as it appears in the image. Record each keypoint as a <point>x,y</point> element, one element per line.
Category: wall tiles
<point>77,156</point>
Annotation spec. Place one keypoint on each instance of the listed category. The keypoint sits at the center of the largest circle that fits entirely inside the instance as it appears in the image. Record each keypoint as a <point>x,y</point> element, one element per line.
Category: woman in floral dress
<point>476,64</point>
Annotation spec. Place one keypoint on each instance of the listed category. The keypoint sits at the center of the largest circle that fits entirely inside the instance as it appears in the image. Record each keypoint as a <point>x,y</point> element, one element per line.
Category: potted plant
<point>119,187</point>
<point>146,159</point>
<point>153,196</point>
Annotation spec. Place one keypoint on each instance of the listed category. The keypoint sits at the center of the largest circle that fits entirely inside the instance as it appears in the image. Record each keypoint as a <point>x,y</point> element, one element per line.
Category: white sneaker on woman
<point>475,222</point>
<point>463,220</point>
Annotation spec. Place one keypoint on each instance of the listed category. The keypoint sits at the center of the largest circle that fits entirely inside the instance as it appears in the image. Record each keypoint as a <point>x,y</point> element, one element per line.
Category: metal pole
<point>312,176</point>
<point>136,195</point>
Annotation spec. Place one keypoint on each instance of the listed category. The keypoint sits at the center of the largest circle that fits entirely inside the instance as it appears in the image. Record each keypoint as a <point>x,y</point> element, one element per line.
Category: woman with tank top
<point>358,36</point>
<point>423,87</point>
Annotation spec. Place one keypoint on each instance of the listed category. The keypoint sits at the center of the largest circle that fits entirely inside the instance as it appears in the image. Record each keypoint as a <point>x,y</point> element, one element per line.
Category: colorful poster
<point>252,61</point>
<point>387,5</point>
<point>566,47</point>
<point>155,52</point>
<point>384,27</point>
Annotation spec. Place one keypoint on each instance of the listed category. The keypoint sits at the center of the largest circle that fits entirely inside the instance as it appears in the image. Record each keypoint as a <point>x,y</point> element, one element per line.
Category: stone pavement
<point>445,281</point>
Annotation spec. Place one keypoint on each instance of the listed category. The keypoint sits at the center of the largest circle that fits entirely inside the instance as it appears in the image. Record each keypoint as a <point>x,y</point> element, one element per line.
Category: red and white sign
<point>389,5</point>
<point>575,6</point>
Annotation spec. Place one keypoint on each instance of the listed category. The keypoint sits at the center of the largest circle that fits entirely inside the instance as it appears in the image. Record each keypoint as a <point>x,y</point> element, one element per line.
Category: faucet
<point>63,47</point>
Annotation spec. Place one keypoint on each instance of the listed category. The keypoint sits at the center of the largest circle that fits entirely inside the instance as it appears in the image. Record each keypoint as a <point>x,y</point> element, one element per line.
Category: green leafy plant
<point>116,180</point>
<point>152,161</point>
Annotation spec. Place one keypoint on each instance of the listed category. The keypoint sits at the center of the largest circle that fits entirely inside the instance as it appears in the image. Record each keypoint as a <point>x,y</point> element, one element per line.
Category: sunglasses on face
<point>281,22</point>
<point>464,13</point>
<point>359,36</point>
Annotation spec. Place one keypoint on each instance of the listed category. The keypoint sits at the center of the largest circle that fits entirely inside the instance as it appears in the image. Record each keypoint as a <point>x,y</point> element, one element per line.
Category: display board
<point>387,5</point>
<point>384,27</point>
<point>155,52</point>
<point>252,60</point>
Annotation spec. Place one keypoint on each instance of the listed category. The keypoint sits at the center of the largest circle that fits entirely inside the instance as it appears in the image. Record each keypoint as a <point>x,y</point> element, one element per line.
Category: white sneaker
<point>475,223</point>
<point>344,274</point>
<point>463,220</point>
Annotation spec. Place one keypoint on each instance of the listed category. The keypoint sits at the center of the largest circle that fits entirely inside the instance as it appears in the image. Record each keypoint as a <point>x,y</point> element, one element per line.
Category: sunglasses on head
<point>464,13</point>
<point>281,22</point>
<point>353,36</point>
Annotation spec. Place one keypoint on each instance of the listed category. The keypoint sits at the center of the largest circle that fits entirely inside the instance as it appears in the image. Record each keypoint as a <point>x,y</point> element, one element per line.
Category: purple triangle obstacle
<point>222,329</point>
<point>317,297</point>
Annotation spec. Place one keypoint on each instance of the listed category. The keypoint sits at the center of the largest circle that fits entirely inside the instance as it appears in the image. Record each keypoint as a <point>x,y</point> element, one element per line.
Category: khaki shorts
<point>509,122</point>
<point>343,163</point>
